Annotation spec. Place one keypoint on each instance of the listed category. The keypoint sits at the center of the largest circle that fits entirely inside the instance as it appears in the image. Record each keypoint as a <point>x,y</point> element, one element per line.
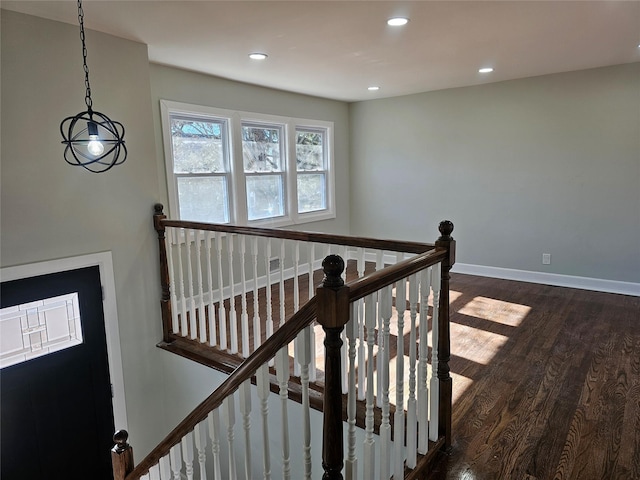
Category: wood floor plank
<point>546,380</point>
<point>560,398</point>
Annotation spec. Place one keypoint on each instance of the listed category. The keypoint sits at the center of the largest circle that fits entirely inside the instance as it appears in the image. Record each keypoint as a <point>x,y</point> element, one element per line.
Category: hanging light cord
<point>87,97</point>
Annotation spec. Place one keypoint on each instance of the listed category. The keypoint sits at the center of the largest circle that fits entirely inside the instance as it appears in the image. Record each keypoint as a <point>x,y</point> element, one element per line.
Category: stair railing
<point>362,306</point>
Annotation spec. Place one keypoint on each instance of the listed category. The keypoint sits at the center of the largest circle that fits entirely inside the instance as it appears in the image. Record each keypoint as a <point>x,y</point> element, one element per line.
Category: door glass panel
<point>35,329</point>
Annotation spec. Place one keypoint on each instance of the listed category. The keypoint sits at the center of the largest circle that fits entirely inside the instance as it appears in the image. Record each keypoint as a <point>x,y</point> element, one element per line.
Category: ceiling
<point>336,49</point>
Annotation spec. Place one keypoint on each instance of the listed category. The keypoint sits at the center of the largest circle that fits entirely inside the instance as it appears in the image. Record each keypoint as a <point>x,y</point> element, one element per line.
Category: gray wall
<point>178,85</point>
<point>52,210</point>
<point>544,164</point>
<point>548,164</point>
<point>183,86</point>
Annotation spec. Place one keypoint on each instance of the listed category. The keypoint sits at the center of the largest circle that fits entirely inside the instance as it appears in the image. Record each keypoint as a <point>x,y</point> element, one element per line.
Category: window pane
<point>311,192</point>
<point>198,145</point>
<point>265,197</point>
<point>261,148</point>
<point>203,199</point>
<point>309,150</point>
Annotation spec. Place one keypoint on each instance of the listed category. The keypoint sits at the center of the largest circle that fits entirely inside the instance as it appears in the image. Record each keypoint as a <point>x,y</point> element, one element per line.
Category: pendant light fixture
<point>91,139</point>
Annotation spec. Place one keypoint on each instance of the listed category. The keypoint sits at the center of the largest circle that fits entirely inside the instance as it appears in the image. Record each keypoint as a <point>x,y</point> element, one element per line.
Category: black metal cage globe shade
<point>93,141</point>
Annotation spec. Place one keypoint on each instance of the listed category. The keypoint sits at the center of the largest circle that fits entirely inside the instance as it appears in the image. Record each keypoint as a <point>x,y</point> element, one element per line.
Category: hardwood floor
<point>546,383</point>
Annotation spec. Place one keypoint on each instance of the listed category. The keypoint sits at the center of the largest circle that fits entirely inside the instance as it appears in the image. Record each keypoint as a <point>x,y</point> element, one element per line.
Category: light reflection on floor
<point>494,310</point>
<point>478,345</point>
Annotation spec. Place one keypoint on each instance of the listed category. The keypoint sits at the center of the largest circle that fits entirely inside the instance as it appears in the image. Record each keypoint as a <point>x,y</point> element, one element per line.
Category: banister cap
<point>333,266</point>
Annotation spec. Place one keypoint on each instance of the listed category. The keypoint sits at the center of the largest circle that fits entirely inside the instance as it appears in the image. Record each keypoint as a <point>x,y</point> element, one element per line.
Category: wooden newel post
<point>447,242</point>
<point>333,314</point>
<point>165,301</point>
<point>121,455</point>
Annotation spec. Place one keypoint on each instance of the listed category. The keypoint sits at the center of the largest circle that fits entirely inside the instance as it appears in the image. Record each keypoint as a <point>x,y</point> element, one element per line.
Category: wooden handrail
<point>377,280</point>
<point>281,337</point>
<point>331,308</point>
<point>356,289</point>
<point>363,242</point>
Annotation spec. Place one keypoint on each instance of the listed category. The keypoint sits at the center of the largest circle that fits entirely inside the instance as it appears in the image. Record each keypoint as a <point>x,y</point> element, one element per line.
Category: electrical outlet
<point>546,259</point>
<point>274,264</point>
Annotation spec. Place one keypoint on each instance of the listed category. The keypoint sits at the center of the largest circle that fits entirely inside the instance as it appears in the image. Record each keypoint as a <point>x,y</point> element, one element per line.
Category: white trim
<point>556,279</point>
<point>105,264</point>
<point>237,178</point>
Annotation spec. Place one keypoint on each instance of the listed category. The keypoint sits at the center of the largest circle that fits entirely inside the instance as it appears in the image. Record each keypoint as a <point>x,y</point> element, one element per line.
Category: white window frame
<point>237,187</point>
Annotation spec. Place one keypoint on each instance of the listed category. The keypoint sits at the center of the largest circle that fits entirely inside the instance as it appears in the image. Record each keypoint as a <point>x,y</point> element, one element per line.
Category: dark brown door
<point>56,410</point>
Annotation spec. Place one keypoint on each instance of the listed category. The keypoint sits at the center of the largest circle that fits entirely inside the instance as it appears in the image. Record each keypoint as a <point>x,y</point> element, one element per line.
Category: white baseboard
<point>584,283</point>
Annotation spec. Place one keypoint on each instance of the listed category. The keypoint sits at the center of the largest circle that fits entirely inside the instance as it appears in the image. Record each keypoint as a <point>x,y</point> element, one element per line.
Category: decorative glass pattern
<point>38,328</point>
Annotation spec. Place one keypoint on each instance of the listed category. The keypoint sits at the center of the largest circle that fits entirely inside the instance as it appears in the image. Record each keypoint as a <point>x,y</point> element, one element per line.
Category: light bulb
<point>94,146</point>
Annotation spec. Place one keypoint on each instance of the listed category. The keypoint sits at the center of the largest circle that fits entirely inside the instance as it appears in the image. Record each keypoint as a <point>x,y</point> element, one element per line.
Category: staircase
<point>346,379</point>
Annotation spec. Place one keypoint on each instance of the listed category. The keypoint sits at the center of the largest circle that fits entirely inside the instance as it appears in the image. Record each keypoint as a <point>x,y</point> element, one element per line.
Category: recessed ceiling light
<point>485,70</point>
<point>373,88</point>
<point>397,21</point>
<point>257,56</point>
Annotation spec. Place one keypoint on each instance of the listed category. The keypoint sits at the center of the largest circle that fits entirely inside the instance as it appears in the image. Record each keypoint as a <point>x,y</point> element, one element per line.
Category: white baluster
<point>423,390</point>
<point>281,284</point>
<point>379,266</point>
<point>245,411</point>
<point>210,308</point>
<point>434,385</point>
<point>229,416</point>
<point>344,354</point>
<point>154,473</point>
<point>257,333</point>
<point>296,301</point>
<point>369,443</point>
<point>202,319</point>
<point>215,432</point>
<point>165,468</point>
<point>187,454</point>
<point>282,372</point>
<point>398,419</point>
<point>233,319</point>
<point>170,240</point>
<point>184,329</point>
<point>222,314</point>
<point>312,370</point>
<point>200,434</point>
<point>342,251</point>
<point>269,306</point>
<point>244,318</point>
<point>304,358</point>
<point>412,420</point>
<point>296,276</point>
<point>385,302</point>
<point>263,384</point>
<point>351,462</point>
<point>311,248</point>
<point>188,235</point>
<point>146,476</point>
<point>359,318</point>
<point>176,461</point>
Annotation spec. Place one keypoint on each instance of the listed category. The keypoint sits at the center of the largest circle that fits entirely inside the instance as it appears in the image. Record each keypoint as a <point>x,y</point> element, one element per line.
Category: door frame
<point>104,262</point>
